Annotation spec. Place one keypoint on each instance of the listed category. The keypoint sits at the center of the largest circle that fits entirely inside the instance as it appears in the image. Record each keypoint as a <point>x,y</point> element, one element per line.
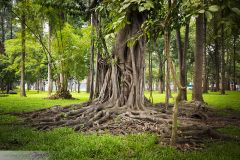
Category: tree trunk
<point>198,58</point>
<point>205,74</point>
<point>216,54</point>
<point>222,61</point>
<point>102,55</point>
<point>88,83</point>
<point>50,82</point>
<point>124,81</point>
<point>38,86</point>
<point>161,73</point>
<point>28,86</point>
<point>63,82</point>
<point>78,86</point>
<point>92,60</point>
<point>182,60</point>
<point>22,82</point>
<point>228,73</point>
<point>150,76</point>
<point>234,62</point>
<point>167,70</point>
<point>2,47</point>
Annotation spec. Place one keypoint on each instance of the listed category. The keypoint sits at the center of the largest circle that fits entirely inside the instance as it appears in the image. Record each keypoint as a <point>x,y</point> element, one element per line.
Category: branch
<point>38,38</point>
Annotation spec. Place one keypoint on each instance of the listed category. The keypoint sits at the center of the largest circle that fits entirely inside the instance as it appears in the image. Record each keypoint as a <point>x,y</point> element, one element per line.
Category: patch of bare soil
<point>197,122</point>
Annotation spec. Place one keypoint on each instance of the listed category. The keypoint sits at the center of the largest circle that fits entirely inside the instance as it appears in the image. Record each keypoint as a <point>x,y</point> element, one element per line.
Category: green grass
<point>231,130</point>
<point>64,143</point>
<point>34,100</point>
<point>214,99</point>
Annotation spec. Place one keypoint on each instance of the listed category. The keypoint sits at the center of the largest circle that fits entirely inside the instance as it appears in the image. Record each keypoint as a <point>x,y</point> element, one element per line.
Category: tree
<point>23,53</point>
<point>50,82</point>
<point>70,53</point>
<point>198,57</point>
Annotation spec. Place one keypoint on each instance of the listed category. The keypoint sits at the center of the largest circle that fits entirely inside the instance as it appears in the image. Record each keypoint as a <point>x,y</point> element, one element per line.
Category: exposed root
<point>196,124</point>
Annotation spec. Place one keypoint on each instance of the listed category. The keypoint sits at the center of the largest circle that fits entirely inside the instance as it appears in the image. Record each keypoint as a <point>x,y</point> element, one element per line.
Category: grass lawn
<point>34,100</point>
<point>65,144</point>
<point>214,99</point>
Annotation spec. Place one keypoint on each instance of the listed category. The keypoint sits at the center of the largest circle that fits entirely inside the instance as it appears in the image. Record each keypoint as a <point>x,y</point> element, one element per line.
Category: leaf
<point>208,15</point>
<point>236,10</point>
<point>141,8</point>
<point>201,11</point>
<point>213,8</point>
<point>125,6</point>
<point>145,6</point>
<point>148,5</point>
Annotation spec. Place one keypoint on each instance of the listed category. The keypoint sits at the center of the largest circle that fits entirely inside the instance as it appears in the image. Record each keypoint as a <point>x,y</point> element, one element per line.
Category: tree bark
<point>88,83</point>
<point>92,60</point>
<point>63,82</point>
<point>2,47</point>
<point>198,58</point>
<point>124,81</point>
<point>23,39</point>
<point>50,82</point>
<point>182,60</point>
<point>222,60</point>
<point>185,52</point>
<point>205,74</point>
<point>78,86</point>
<point>160,72</point>
<point>216,54</point>
<point>234,62</point>
<point>150,76</point>
<point>102,57</point>
<point>167,70</point>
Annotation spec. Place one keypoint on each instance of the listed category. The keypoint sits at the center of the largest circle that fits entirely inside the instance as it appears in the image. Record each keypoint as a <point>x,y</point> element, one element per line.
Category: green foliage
<point>214,8</point>
<point>70,48</point>
<point>35,57</point>
<point>236,10</point>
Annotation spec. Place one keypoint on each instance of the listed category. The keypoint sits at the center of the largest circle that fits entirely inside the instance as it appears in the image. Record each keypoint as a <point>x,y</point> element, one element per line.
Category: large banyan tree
<point>119,79</point>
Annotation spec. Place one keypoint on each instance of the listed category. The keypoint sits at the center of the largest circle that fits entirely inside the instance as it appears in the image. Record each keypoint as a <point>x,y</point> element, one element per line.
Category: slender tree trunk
<point>88,83</point>
<point>182,61</point>
<point>92,60</point>
<point>63,82</point>
<point>38,86</point>
<point>167,70</point>
<point>175,88</point>
<point>205,74</point>
<point>234,62</point>
<point>198,57</point>
<point>228,73</point>
<point>216,54</point>
<point>150,76</point>
<point>78,86</point>
<point>185,52</point>
<point>11,25</point>
<point>22,82</point>
<point>161,74</point>
<point>222,61</point>
<point>2,47</point>
<point>50,82</point>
